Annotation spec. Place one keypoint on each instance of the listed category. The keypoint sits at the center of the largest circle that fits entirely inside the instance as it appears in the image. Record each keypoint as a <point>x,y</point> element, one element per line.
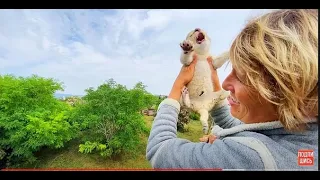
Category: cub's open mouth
<point>200,38</point>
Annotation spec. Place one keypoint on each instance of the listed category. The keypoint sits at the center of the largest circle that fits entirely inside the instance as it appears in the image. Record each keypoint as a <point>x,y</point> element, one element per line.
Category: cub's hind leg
<point>186,97</point>
<point>218,96</point>
<point>222,94</point>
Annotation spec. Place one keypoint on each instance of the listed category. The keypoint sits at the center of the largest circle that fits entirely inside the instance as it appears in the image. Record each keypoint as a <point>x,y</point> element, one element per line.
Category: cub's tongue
<point>200,37</point>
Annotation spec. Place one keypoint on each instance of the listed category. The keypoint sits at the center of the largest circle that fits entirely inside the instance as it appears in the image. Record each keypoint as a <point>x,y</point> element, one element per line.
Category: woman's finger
<point>192,64</point>
<point>194,56</point>
<point>204,138</point>
<point>209,59</point>
<point>194,60</point>
<point>212,138</point>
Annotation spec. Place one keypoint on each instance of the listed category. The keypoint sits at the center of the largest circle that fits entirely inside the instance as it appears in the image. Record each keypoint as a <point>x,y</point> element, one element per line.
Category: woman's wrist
<point>175,92</point>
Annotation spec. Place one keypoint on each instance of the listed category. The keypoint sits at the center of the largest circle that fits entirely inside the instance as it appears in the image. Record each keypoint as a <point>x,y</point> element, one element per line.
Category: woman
<point>273,102</point>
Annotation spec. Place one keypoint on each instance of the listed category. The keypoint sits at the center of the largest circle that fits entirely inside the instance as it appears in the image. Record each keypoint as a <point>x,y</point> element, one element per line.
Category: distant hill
<point>60,96</point>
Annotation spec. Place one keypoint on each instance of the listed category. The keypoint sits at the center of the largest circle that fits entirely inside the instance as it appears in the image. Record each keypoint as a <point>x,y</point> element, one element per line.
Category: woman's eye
<point>237,77</point>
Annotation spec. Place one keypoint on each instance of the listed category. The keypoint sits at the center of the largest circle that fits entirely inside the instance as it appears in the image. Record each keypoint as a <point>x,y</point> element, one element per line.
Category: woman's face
<point>247,105</point>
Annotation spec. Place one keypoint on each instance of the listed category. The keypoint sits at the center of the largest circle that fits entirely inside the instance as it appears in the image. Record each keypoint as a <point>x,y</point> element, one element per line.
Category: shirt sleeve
<point>222,117</point>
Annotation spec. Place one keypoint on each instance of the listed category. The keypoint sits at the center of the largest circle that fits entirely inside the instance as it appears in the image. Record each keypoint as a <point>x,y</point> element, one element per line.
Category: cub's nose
<point>197,29</point>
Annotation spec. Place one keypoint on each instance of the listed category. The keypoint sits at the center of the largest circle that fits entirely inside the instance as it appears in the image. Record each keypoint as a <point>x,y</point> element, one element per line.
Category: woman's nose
<point>226,84</point>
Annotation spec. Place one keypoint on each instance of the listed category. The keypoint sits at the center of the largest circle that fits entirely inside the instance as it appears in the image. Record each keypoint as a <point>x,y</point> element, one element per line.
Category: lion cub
<point>199,94</point>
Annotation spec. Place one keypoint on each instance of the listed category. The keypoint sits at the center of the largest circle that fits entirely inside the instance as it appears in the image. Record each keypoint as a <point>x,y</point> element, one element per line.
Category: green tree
<point>31,118</point>
<point>111,117</point>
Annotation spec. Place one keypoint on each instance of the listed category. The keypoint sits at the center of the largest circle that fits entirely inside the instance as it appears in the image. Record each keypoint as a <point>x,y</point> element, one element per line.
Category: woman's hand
<point>208,138</point>
<point>214,76</point>
<point>184,77</point>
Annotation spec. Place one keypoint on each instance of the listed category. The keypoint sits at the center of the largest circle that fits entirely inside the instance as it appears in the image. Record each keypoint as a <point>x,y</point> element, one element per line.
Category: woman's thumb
<point>194,61</point>
<point>195,57</point>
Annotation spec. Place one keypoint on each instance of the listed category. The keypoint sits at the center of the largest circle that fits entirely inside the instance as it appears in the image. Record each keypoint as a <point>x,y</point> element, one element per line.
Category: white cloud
<point>83,48</point>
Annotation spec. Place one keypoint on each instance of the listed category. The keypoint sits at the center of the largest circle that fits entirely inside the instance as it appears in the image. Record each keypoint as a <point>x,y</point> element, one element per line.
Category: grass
<point>70,157</point>
<point>193,133</point>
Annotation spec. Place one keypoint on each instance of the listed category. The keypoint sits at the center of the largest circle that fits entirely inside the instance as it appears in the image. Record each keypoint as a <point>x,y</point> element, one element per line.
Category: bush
<point>73,100</point>
<point>2,154</point>
<point>185,115</point>
<point>111,116</point>
<point>194,116</point>
<point>183,118</point>
<point>31,118</point>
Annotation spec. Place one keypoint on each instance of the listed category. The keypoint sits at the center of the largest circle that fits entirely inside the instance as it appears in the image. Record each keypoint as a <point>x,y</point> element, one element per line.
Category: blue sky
<point>84,48</point>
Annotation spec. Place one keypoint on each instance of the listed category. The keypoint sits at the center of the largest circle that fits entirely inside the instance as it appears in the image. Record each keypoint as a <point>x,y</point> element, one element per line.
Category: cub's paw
<point>224,94</point>
<point>187,46</point>
<point>205,130</point>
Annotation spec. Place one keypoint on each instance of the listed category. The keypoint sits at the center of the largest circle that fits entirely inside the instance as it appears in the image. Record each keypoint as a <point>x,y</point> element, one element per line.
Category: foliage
<point>73,100</point>
<point>185,115</point>
<point>194,116</point>
<point>2,154</point>
<point>89,147</point>
<point>158,101</point>
<point>111,117</point>
<point>31,118</point>
<point>183,118</point>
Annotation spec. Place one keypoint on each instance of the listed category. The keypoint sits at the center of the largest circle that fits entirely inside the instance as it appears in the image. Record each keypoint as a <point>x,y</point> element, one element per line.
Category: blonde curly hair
<point>278,52</point>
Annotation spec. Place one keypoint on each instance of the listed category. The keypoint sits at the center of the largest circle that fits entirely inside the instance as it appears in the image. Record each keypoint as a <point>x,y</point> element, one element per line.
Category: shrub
<point>111,116</point>
<point>31,118</point>
<point>194,116</point>
<point>183,118</point>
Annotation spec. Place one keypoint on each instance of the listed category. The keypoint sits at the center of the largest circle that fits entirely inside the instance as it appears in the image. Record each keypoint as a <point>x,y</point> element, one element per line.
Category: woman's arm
<point>222,117</point>
<point>165,150</point>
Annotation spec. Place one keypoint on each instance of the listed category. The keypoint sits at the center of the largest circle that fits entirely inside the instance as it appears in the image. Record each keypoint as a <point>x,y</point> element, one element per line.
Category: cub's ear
<point>190,34</point>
